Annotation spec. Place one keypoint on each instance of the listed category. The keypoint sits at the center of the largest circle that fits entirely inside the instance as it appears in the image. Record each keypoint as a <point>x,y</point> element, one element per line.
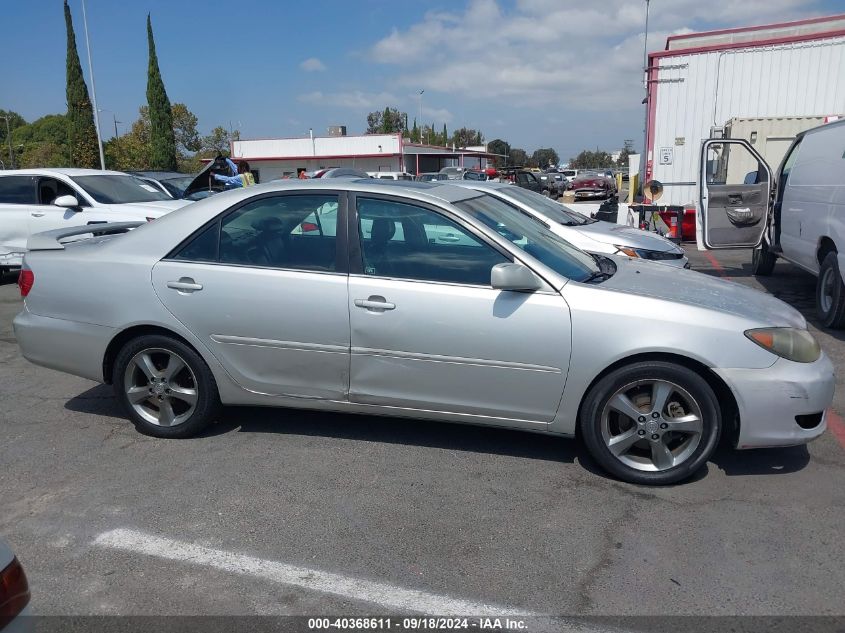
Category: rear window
<point>17,190</point>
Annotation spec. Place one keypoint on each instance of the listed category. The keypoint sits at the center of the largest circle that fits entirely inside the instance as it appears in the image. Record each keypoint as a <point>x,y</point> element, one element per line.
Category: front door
<point>262,288</point>
<point>430,333</point>
<point>46,216</point>
<point>735,190</point>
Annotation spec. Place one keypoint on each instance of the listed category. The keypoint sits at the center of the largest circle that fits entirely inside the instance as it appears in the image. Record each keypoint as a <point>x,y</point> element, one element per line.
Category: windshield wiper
<point>597,276</point>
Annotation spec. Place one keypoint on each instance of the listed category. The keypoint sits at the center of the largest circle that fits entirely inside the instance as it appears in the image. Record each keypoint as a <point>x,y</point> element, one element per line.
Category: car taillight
<point>150,219</point>
<point>26,279</point>
<point>309,226</point>
<point>14,592</point>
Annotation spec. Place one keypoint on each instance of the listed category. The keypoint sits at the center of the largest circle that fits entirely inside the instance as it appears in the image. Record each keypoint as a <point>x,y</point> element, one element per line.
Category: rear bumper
<point>770,399</point>
<point>68,346</point>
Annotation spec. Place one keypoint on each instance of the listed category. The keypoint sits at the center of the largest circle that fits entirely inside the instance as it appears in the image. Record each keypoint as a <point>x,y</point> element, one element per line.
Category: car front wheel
<point>165,387</point>
<point>651,423</point>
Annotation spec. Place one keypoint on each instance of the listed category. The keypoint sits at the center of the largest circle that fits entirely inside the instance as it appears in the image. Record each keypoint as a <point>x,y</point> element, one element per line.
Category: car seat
<point>375,252</point>
<point>270,246</point>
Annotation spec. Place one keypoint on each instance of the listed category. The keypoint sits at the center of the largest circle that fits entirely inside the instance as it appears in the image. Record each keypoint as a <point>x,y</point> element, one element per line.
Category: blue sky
<point>537,73</point>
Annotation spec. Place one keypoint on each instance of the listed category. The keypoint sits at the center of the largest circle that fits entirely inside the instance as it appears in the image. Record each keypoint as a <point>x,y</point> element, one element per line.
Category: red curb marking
<point>715,263</point>
<point>836,426</point>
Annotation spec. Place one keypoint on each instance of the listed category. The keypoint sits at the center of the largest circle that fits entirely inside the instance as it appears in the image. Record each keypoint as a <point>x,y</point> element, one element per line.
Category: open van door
<point>735,188</point>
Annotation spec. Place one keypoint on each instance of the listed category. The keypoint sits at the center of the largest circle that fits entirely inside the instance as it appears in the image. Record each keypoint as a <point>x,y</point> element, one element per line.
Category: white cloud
<point>353,99</point>
<point>546,52</point>
<point>312,64</point>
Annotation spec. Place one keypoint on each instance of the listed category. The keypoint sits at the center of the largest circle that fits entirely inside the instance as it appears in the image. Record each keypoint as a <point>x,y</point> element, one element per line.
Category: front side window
<point>51,188</point>
<point>531,236</point>
<point>409,242</point>
<point>292,232</point>
<point>17,190</point>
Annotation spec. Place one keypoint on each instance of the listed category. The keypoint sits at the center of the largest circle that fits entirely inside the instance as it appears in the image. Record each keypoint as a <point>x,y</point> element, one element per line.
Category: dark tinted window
<point>51,188</point>
<point>409,242</point>
<point>282,232</point>
<point>17,190</point>
<point>118,189</point>
<point>203,248</point>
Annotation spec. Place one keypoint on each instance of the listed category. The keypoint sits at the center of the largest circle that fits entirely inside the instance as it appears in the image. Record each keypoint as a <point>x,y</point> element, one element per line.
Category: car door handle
<point>37,215</point>
<point>450,238</point>
<point>185,284</point>
<point>735,198</point>
<point>377,304</point>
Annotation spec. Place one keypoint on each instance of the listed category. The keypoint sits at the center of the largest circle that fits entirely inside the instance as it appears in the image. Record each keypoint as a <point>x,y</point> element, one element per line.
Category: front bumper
<point>68,346</point>
<point>769,399</point>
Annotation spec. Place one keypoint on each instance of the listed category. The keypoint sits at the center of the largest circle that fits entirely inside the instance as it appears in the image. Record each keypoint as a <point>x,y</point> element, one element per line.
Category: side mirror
<point>514,277</point>
<point>68,202</point>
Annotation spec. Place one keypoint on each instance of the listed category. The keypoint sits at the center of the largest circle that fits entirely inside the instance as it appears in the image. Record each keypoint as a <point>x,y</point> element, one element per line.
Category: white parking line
<point>383,594</point>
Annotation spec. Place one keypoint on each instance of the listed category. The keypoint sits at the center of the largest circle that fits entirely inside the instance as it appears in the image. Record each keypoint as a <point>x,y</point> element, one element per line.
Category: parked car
<point>429,176</point>
<point>35,200</point>
<point>592,236</point>
<point>527,180</point>
<point>592,184</point>
<point>14,591</point>
<point>340,172</point>
<point>453,173</point>
<point>172,183</point>
<point>391,175</point>
<point>504,325</point>
<point>551,184</point>
<point>569,174</point>
<point>474,174</point>
<point>796,213</point>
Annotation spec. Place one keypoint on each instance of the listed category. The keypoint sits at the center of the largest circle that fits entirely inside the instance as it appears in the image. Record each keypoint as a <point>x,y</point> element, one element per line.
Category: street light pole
<point>420,127</point>
<point>93,90</point>
<point>644,154</point>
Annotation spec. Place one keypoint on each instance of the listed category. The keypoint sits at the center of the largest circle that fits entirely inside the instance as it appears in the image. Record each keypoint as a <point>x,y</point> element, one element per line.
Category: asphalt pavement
<point>279,512</point>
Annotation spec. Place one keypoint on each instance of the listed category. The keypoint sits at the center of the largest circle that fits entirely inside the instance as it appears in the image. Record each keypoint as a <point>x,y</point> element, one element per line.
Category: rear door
<point>735,192</point>
<point>17,198</point>
<point>264,288</point>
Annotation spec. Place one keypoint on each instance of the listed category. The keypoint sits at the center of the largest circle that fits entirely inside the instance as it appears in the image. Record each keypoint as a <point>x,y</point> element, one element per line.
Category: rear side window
<point>18,190</point>
<point>292,232</point>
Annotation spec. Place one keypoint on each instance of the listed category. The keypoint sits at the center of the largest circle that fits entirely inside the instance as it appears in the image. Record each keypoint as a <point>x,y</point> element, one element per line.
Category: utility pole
<point>420,94</point>
<point>93,90</point>
<point>644,153</point>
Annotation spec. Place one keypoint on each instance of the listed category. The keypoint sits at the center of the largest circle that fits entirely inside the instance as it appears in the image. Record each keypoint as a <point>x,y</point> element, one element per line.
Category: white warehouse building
<point>275,158</point>
<point>765,82</point>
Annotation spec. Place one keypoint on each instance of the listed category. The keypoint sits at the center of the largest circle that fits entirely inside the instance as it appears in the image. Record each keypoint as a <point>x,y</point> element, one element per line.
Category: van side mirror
<point>68,202</point>
<point>514,277</point>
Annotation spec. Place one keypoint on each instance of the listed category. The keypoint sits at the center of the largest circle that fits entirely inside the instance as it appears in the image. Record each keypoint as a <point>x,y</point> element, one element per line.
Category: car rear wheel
<point>652,423</point>
<point>762,260</point>
<point>165,387</point>
<point>830,293</point>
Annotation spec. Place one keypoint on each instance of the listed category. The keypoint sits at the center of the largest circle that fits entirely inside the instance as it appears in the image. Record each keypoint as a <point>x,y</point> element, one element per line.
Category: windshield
<point>116,189</point>
<point>552,210</point>
<point>177,186</point>
<point>532,237</point>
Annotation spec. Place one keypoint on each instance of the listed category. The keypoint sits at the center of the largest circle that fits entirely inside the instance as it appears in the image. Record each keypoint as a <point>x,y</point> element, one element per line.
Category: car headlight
<point>643,253</point>
<point>787,342</point>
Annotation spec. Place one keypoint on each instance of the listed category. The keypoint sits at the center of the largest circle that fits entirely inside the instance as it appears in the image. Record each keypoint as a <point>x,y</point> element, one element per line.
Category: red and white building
<point>279,157</point>
<point>702,81</point>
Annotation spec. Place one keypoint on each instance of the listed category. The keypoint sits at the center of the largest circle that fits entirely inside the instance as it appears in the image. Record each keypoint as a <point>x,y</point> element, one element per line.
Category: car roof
<point>62,171</point>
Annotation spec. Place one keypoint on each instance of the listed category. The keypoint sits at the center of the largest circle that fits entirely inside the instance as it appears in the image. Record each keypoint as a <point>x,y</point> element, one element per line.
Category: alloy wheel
<point>652,425</point>
<point>160,386</point>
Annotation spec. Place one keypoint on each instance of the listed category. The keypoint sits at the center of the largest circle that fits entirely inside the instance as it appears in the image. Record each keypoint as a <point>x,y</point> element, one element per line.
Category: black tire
<point>696,386</point>
<point>207,405</point>
<point>830,293</point>
<point>762,260</point>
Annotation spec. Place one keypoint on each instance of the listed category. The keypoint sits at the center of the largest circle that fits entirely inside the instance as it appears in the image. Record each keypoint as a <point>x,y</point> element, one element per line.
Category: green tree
<point>444,136</point>
<point>588,159</point>
<point>42,143</point>
<point>498,146</point>
<point>15,121</point>
<point>83,135</point>
<point>517,157</point>
<point>544,157</point>
<point>390,121</point>
<point>415,133</point>
<point>627,150</point>
<point>162,140</point>
<point>464,137</point>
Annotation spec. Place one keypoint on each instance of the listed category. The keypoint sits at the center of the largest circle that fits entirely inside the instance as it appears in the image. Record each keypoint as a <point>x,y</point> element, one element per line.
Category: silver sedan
<point>425,301</point>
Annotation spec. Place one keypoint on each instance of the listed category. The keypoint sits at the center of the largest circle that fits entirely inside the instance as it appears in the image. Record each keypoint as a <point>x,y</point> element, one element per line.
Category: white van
<point>796,213</point>
<point>391,175</point>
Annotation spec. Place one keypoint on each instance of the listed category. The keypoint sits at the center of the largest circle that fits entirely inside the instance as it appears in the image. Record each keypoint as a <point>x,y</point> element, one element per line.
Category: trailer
<point>767,82</point>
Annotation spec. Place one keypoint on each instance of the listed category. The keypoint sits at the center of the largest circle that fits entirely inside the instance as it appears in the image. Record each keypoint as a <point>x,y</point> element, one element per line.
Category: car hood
<point>156,208</point>
<point>619,234</point>
<point>697,289</point>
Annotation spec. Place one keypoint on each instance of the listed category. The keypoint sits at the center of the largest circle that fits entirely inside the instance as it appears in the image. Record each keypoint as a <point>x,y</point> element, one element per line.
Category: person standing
<point>240,176</point>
